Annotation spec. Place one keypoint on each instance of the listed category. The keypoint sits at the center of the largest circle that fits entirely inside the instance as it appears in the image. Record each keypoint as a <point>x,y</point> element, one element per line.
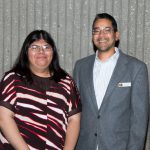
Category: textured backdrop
<point>69,22</point>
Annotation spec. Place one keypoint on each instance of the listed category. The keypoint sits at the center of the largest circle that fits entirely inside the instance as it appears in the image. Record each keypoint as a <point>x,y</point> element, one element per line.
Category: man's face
<point>103,35</point>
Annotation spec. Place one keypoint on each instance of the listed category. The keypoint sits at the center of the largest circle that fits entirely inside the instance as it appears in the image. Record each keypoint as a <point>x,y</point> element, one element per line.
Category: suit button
<point>95,134</point>
<point>98,116</point>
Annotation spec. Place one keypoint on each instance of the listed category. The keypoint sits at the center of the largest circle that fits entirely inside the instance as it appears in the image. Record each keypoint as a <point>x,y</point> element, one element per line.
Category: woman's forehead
<point>40,41</point>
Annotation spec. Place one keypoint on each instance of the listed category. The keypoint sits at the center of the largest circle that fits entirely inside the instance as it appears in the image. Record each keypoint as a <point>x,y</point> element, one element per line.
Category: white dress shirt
<point>102,73</point>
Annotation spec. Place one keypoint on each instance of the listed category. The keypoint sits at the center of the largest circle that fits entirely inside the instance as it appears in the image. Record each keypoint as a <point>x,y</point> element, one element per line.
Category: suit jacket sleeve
<point>139,110</point>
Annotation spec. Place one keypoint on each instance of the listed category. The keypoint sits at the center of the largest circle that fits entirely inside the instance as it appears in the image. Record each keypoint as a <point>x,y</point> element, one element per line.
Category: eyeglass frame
<point>105,30</point>
<point>38,48</point>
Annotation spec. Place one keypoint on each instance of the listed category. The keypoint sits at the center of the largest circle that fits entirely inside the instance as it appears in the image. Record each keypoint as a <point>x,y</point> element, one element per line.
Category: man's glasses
<point>37,48</point>
<point>105,30</point>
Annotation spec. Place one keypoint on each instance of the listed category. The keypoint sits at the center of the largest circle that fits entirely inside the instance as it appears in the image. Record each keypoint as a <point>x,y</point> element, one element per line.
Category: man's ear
<point>117,36</point>
<point>117,39</point>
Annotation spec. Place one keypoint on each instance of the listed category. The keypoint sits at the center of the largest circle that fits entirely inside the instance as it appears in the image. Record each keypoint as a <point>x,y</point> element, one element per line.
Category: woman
<point>39,102</point>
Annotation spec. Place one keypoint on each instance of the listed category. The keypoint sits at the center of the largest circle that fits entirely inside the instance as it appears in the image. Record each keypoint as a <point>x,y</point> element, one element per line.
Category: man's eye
<point>95,31</point>
<point>107,29</point>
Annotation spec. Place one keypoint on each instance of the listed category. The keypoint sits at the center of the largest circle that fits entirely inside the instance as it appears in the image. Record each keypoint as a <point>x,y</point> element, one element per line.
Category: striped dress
<point>41,114</point>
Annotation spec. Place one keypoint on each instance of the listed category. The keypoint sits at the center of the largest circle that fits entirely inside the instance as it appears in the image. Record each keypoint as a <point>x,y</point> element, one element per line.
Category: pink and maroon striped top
<point>41,114</point>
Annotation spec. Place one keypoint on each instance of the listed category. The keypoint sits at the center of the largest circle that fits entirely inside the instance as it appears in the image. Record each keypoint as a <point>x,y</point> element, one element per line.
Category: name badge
<point>124,84</point>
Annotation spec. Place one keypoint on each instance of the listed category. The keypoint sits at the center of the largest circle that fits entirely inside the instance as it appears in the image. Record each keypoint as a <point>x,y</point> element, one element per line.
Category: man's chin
<point>103,50</point>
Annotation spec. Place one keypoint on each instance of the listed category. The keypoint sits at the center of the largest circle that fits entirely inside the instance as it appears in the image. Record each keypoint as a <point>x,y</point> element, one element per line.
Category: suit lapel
<point>90,85</point>
<point>118,73</point>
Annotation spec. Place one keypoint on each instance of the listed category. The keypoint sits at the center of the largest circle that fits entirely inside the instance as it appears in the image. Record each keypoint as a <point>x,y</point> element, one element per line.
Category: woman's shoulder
<point>10,75</point>
<point>68,80</point>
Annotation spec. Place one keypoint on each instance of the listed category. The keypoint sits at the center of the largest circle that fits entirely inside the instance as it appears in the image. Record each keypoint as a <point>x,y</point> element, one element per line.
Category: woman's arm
<point>72,132</point>
<point>10,130</point>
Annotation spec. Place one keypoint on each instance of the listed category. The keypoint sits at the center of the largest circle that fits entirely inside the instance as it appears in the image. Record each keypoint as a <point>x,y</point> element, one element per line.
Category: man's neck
<point>103,56</point>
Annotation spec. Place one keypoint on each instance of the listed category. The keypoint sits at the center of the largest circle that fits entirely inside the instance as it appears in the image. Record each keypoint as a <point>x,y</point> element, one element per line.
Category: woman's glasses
<point>37,48</point>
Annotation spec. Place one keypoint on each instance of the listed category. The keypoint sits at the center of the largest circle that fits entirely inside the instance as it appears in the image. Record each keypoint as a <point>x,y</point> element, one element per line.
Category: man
<point>114,93</point>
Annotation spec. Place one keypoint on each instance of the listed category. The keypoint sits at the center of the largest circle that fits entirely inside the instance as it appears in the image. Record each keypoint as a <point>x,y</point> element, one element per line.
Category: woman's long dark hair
<point>21,65</point>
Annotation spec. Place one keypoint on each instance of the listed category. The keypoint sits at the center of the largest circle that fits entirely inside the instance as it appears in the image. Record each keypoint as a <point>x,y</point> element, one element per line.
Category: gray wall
<point>69,22</point>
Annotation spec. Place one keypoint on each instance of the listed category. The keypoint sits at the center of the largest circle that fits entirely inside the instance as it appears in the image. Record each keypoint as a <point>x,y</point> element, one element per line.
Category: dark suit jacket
<point>122,120</point>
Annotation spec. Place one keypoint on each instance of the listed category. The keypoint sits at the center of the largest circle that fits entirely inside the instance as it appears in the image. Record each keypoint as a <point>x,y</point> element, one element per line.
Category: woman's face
<point>40,55</point>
